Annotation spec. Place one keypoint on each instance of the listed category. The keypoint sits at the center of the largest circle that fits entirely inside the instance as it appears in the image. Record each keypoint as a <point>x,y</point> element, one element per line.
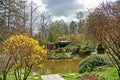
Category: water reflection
<point>59,66</point>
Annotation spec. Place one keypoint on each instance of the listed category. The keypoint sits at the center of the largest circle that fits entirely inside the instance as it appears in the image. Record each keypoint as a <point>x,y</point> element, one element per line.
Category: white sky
<point>88,4</point>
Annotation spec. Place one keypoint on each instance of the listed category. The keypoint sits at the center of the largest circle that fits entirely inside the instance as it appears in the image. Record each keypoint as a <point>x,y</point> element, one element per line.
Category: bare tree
<point>33,17</point>
<point>12,20</point>
<point>104,25</point>
<point>5,65</point>
<point>44,24</point>
<point>14,15</point>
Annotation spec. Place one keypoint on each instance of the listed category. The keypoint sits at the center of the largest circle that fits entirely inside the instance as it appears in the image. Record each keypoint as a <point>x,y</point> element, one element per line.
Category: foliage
<point>104,25</point>
<point>52,54</point>
<point>79,40</point>
<point>80,24</point>
<point>63,55</point>
<point>82,50</point>
<point>86,48</point>
<point>73,27</point>
<point>76,38</point>
<point>72,47</point>
<point>25,52</point>
<point>91,62</point>
<point>100,49</point>
<point>57,28</point>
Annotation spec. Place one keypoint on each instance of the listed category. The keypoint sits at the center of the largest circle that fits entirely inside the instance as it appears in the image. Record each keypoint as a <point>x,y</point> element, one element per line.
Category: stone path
<point>52,77</point>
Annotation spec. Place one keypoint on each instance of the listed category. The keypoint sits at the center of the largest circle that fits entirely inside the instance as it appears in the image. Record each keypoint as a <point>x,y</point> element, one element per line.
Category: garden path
<point>52,77</point>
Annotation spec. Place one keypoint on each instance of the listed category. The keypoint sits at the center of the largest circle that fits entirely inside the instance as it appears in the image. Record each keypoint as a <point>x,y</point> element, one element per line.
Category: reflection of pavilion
<point>55,45</point>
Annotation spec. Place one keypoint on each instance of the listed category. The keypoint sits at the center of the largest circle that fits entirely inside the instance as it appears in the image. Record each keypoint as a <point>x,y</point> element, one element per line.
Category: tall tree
<point>57,28</point>
<point>80,16</point>
<point>104,25</point>
<point>43,26</point>
<point>73,28</point>
<point>13,13</point>
<point>64,26</point>
<point>33,17</point>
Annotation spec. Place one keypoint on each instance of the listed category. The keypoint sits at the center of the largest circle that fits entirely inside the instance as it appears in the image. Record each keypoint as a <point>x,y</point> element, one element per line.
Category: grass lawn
<point>10,76</point>
<point>109,73</point>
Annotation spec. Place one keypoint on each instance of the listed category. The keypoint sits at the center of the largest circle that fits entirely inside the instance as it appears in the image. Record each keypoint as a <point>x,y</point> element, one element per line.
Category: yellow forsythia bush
<point>24,50</point>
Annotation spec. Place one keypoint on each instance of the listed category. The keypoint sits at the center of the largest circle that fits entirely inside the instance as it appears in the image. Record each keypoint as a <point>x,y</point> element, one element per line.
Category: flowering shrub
<point>25,52</point>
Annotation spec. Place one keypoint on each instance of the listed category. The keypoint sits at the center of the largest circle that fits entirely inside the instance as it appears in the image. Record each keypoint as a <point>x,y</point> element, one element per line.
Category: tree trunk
<point>4,77</point>
<point>25,79</point>
<point>119,74</point>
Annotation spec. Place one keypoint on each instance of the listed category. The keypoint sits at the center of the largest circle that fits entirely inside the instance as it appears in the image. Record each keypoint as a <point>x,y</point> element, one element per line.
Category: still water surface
<point>59,66</point>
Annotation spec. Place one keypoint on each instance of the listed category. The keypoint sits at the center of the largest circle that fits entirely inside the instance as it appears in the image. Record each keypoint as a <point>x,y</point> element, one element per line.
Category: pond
<point>59,66</point>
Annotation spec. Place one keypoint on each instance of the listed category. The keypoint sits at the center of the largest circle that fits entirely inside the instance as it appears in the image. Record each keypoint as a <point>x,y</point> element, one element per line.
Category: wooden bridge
<point>52,77</point>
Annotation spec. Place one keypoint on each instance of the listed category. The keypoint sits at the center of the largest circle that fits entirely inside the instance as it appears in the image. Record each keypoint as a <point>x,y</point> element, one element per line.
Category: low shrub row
<point>63,55</point>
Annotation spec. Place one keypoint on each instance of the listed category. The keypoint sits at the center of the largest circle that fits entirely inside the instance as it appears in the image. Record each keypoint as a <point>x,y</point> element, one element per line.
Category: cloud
<point>66,19</point>
<point>64,8</point>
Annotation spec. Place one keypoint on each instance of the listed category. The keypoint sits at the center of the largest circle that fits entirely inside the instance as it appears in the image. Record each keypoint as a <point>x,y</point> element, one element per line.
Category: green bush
<point>72,47</point>
<point>100,49</point>
<point>86,48</point>
<point>93,61</point>
<point>63,55</point>
<point>85,51</point>
<point>52,54</point>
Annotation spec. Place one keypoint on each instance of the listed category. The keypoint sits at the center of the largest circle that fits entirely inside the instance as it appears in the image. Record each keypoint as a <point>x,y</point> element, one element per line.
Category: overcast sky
<point>66,9</point>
